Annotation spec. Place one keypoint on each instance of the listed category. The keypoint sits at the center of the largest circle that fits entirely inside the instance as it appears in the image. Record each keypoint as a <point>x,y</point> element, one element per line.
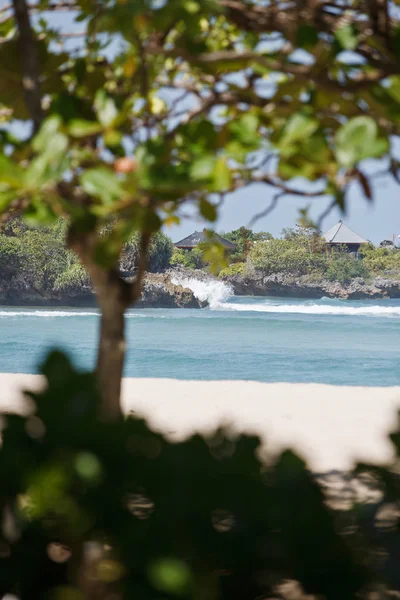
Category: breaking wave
<point>314,309</point>
<point>208,290</point>
<point>217,294</point>
<point>47,313</point>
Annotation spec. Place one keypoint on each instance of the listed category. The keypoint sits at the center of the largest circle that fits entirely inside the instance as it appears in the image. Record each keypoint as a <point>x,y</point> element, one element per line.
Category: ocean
<point>262,339</point>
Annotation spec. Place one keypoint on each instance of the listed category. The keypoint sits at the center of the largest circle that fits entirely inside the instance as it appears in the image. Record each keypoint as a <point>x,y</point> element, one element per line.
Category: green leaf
<point>6,197</point>
<point>112,138</point>
<point>56,147</point>
<point>214,254</point>
<point>208,210</point>
<point>346,37</point>
<point>10,173</point>
<point>50,127</point>
<point>105,108</point>
<point>222,175</point>
<point>394,89</point>
<point>170,575</point>
<point>306,36</point>
<point>102,183</point>
<point>340,198</point>
<point>245,129</point>
<point>298,128</point>
<point>353,138</point>
<point>376,148</point>
<point>202,168</point>
<point>39,213</point>
<point>50,164</point>
<point>191,6</point>
<point>250,122</point>
<point>79,128</point>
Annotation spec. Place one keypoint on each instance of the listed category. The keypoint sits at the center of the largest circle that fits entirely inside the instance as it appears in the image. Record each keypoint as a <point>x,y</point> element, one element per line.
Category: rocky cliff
<point>282,284</point>
<point>158,292</point>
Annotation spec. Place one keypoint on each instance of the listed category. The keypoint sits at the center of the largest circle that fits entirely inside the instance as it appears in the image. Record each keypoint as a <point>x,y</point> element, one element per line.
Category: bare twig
<point>264,213</point>
<point>326,213</point>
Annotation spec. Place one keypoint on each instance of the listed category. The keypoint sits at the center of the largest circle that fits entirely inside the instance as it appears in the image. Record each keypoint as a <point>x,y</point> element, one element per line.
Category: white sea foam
<point>314,309</point>
<point>218,292</point>
<point>210,290</point>
<point>46,313</point>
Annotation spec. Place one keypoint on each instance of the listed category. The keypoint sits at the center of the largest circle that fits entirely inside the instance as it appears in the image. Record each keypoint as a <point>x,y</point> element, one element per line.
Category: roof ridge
<point>340,223</point>
<point>342,233</point>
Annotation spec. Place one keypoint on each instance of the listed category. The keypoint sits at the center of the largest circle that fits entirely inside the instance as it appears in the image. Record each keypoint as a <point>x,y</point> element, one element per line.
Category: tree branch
<point>143,251</point>
<point>29,60</point>
<point>264,213</point>
<point>270,180</point>
<point>60,5</point>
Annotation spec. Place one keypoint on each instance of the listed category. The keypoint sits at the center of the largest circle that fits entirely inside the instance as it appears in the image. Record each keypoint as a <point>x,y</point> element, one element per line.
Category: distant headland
<point>37,269</point>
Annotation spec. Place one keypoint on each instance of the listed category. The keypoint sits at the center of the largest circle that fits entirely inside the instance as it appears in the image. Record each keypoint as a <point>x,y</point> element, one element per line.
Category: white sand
<point>330,426</point>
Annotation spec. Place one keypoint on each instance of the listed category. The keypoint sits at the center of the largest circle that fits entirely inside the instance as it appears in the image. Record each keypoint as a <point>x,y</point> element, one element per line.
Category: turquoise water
<point>262,339</point>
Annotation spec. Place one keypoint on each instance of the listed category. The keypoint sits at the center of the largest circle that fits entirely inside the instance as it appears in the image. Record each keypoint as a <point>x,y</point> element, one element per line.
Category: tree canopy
<point>221,88</point>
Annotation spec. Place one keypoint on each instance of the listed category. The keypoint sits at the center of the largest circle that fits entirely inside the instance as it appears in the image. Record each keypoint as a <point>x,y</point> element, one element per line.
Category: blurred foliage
<point>97,510</point>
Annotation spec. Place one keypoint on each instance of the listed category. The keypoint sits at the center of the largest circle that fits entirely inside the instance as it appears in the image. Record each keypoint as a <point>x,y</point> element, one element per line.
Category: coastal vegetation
<point>38,261</point>
<point>158,105</point>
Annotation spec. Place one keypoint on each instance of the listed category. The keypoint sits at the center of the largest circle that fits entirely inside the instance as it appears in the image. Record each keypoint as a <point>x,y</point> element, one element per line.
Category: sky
<point>374,221</point>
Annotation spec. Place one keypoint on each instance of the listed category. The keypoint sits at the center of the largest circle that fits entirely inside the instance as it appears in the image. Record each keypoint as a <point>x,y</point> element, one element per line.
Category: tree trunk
<point>112,346</point>
<point>114,295</point>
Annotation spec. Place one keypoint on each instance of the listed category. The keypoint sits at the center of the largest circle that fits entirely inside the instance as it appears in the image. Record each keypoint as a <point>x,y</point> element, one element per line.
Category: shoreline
<point>331,427</point>
<point>92,304</point>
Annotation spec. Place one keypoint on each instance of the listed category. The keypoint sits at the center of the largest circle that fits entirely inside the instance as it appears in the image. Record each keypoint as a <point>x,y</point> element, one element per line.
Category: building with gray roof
<point>342,236</point>
<point>199,237</point>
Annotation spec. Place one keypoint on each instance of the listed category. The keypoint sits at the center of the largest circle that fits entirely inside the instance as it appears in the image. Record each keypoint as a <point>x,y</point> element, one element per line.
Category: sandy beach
<point>330,426</point>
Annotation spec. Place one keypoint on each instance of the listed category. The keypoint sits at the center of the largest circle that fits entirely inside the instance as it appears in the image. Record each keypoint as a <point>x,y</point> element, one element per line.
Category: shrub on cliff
<point>32,259</point>
<point>190,259</point>
<point>379,260</point>
<point>72,280</point>
<point>159,254</point>
<point>285,256</point>
<point>243,238</point>
<point>10,259</point>
<point>343,267</point>
<point>237,268</point>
